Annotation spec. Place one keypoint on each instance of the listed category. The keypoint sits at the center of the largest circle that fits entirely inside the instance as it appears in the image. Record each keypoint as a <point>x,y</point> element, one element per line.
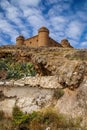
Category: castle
<point>42,39</point>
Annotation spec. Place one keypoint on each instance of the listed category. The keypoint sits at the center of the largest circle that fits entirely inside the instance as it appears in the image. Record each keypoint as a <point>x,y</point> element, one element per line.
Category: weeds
<point>42,119</point>
<point>58,93</point>
<point>18,116</point>
<point>39,121</point>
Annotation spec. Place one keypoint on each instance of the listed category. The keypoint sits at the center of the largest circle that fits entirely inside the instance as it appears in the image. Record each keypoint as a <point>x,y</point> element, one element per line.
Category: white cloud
<point>55,10</point>
<point>59,7</point>
<point>62,2</point>
<point>12,13</point>
<point>4,3</point>
<point>58,23</point>
<point>2,41</point>
<point>36,21</point>
<point>51,1</point>
<point>73,42</point>
<point>74,29</point>
<point>32,16</point>
<point>29,11</point>
<point>81,14</point>
<point>6,28</point>
<point>58,36</point>
<point>27,16</point>
<point>84,44</point>
<point>27,2</point>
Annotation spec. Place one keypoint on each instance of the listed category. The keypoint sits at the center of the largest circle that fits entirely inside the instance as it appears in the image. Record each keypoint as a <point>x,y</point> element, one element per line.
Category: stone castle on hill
<point>42,39</point>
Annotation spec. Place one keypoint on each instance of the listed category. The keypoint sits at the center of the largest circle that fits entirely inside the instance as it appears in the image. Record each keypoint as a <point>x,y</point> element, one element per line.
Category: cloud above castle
<point>64,18</point>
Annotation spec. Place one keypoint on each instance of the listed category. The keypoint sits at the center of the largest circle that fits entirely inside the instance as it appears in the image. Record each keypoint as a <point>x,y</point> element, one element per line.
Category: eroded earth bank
<point>58,80</point>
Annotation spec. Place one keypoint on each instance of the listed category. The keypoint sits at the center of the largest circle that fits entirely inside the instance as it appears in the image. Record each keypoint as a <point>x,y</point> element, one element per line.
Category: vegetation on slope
<point>10,69</point>
<point>39,121</point>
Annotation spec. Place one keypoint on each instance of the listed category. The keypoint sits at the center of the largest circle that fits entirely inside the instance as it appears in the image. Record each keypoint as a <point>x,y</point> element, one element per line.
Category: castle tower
<point>43,37</point>
<point>65,43</point>
<point>20,40</point>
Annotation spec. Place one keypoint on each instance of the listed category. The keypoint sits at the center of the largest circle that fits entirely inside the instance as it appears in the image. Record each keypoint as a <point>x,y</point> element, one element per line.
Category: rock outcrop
<point>56,68</point>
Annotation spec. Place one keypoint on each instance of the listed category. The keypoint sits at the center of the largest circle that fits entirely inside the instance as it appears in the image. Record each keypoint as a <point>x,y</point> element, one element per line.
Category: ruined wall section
<point>32,42</point>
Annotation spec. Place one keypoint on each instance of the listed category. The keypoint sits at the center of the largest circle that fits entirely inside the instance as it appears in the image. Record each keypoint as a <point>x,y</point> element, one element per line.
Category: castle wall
<point>53,43</point>
<point>32,42</point>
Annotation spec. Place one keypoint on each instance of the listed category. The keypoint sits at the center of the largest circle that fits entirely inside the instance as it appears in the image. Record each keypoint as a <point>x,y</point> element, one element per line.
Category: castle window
<point>30,42</point>
<point>37,40</point>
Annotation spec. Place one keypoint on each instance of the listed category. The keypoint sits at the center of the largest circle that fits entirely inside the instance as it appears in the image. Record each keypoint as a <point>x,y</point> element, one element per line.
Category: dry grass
<point>40,121</point>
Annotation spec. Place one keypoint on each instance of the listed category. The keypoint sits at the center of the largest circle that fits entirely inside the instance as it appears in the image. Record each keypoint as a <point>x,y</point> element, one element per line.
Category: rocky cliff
<point>60,81</point>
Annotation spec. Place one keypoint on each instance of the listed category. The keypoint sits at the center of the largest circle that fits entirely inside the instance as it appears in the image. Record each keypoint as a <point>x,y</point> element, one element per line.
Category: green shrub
<point>3,65</point>
<point>18,116</point>
<point>20,70</point>
<point>35,116</point>
<point>16,70</point>
<point>51,116</point>
<point>41,119</point>
<point>58,93</point>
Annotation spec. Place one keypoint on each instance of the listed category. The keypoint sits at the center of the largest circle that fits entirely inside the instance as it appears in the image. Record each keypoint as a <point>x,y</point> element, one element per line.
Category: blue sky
<point>64,19</point>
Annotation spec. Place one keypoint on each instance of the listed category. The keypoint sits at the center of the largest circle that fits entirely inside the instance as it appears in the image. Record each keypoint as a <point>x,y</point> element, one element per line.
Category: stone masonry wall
<point>32,42</point>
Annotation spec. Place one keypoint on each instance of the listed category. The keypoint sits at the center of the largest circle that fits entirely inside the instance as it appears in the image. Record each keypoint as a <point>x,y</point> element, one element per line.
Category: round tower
<point>65,43</point>
<point>20,40</point>
<point>43,37</point>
